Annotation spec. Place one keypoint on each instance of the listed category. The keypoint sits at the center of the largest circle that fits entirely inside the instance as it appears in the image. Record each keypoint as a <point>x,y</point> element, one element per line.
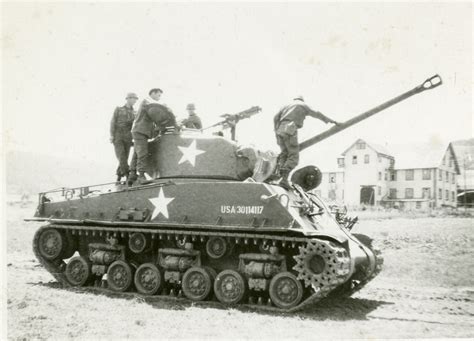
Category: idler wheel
<point>137,242</point>
<point>148,279</point>
<point>216,247</point>
<point>197,284</point>
<point>119,276</point>
<point>285,290</point>
<point>229,287</point>
<point>78,271</point>
<point>51,243</point>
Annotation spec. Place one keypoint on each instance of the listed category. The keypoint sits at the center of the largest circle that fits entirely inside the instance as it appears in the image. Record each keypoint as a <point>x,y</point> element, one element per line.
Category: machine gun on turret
<point>230,121</point>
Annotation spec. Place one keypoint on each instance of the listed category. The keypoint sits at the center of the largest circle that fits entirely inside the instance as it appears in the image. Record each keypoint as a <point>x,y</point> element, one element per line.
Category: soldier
<point>193,121</point>
<point>120,133</point>
<point>286,123</point>
<point>150,116</point>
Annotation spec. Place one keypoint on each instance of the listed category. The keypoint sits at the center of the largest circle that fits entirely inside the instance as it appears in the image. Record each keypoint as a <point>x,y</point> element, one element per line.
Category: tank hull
<point>226,241</point>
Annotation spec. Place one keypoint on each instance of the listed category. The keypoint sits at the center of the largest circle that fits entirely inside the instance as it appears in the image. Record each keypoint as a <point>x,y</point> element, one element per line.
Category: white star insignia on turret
<point>190,153</point>
<point>161,204</point>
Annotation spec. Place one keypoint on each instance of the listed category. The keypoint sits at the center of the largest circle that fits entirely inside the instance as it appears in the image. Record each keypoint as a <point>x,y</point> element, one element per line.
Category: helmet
<point>190,106</point>
<point>299,98</point>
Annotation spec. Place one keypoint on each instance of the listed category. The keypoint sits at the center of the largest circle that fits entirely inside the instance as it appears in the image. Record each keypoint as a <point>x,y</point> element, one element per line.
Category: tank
<point>211,226</point>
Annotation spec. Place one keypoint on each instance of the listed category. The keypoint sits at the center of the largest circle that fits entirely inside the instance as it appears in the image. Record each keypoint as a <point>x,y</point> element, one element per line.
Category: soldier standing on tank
<point>286,123</point>
<point>120,133</point>
<point>193,121</point>
<point>144,126</point>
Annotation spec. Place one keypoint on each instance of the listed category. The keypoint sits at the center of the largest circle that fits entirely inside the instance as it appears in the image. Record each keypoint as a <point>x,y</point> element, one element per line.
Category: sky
<point>67,66</point>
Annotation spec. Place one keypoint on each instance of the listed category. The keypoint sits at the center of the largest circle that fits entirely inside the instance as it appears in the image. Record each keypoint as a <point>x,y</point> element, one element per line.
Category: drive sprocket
<point>322,264</point>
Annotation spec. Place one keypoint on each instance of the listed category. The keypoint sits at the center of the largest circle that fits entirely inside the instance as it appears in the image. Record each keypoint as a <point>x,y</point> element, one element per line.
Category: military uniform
<point>150,116</point>
<point>120,133</point>
<point>192,122</point>
<point>287,122</point>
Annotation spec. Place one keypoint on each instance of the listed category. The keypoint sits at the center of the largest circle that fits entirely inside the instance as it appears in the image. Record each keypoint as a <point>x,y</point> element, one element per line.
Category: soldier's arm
<point>112,125</point>
<point>318,115</point>
<point>198,123</point>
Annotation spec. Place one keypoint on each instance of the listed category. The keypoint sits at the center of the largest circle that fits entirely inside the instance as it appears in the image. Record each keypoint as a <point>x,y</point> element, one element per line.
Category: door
<point>367,195</point>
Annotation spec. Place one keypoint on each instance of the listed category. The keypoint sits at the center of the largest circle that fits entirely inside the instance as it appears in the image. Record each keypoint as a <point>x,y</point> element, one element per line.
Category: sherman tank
<point>211,225</point>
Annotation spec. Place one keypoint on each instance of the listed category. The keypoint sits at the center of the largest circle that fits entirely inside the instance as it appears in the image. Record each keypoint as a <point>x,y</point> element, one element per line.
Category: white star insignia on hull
<point>161,204</point>
<point>190,153</point>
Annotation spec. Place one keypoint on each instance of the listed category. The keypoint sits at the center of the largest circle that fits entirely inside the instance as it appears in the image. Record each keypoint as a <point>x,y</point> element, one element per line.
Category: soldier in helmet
<point>120,133</point>
<point>151,116</point>
<point>286,123</point>
<point>193,121</point>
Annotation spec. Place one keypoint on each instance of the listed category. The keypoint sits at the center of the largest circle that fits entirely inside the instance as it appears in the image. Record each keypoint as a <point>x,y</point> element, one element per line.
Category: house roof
<point>379,149</point>
<point>464,152</point>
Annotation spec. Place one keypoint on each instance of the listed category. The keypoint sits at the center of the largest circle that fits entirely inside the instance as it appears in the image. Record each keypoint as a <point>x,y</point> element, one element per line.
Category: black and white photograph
<point>180,170</point>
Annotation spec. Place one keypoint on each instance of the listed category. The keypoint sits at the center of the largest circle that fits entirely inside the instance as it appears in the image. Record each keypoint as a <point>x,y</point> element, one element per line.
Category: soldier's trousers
<point>122,151</point>
<point>290,152</point>
<point>140,155</point>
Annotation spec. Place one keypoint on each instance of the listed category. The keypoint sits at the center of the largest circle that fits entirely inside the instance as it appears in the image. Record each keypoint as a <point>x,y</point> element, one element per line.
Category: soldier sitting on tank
<point>193,121</point>
<point>286,123</point>
<point>151,116</point>
<point>120,133</point>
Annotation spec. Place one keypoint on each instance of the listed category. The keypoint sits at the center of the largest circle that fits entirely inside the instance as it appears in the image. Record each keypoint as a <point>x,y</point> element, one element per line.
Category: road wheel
<point>51,244</point>
<point>229,287</point>
<point>148,279</point>
<point>285,290</point>
<point>119,276</point>
<point>78,271</point>
<point>197,284</point>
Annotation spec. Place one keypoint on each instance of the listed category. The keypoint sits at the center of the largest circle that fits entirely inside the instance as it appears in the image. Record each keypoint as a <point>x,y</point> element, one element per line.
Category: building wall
<point>374,173</point>
<point>332,187</point>
<point>445,182</point>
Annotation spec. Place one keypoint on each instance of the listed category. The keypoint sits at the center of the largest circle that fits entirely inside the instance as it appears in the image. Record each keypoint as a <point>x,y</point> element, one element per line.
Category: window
<point>379,190</point>
<point>426,192</point>
<point>453,196</point>
<point>366,158</point>
<point>360,145</point>
<point>332,178</point>
<point>332,194</point>
<point>447,176</point>
<point>450,162</point>
<point>393,176</point>
<point>418,204</point>
<point>453,176</point>
<point>380,175</point>
<point>393,193</point>
<point>447,195</point>
<point>440,194</point>
<point>440,175</point>
<point>354,159</point>
<point>409,174</point>
<point>426,174</point>
<point>340,162</point>
<point>408,193</point>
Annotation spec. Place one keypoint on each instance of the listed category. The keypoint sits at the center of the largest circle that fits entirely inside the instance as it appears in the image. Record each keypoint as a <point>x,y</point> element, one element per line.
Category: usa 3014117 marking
<point>232,209</point>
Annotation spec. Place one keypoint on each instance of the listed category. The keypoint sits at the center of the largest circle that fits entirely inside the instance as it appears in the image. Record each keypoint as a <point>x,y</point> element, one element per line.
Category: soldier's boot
<point>142,180</point>
<point>284,179</point>
<point>131,178</point>
<point>119,179</point>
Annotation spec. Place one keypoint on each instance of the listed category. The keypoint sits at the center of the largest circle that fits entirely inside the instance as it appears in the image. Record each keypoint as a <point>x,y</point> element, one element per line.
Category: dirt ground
<point>425,290</point>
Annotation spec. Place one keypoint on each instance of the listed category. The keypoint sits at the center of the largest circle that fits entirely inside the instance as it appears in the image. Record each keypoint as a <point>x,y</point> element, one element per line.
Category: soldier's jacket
<point>122,121</point>
<point>294,114</point>
<point>152,114</point>
<point>192,122</point>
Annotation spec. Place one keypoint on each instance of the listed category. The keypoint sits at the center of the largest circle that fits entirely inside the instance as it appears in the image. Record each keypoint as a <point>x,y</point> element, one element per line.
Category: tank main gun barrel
<point>428,84</point>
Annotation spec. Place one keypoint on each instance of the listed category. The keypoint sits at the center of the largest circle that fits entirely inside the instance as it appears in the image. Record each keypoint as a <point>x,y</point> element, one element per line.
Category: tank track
<point>352,286</point>
<point>317,286</point>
